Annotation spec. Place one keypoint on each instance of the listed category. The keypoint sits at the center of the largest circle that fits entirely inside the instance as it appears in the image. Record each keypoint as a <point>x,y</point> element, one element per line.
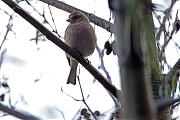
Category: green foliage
<point>167,89</point>
<point>174,83</point>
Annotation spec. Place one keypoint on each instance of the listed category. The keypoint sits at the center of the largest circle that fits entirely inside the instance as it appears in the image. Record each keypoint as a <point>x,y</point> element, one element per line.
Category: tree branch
<point>84,101</point>
<point>163,104</point>
<point>19,114</point>
<point>170,74</point>
<point>94,19</point>
<point>111,88</point>
<point>168,80</point>
<point>134,32</point>
<point>167,14</point>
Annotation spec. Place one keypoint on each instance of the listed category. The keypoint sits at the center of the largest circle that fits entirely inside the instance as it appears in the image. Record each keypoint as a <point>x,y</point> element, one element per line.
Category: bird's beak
<point>69,20</point>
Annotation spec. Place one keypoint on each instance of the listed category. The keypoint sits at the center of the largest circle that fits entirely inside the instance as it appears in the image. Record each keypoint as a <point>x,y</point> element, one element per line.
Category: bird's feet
<point>88,60</point>
<point>82,55</point>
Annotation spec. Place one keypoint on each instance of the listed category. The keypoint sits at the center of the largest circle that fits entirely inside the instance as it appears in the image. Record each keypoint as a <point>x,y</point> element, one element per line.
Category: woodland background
<point>34,71</point>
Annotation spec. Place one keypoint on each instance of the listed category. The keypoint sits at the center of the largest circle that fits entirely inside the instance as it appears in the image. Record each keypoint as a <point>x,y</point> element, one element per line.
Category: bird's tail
<point>72,74</point>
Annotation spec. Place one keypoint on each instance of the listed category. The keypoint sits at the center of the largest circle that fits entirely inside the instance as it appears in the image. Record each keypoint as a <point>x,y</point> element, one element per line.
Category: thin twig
<point>111,88</point>
<point>60,112</point>
<point>84,99</point>
<point>43,15</point>
<point>2,57</point>
<point>9,26</point>
<point>167,14</point>
<point>102,63</point>
<point>96,20</point>
<point>70,95</point>
<point>55,30</point>
<point>172,32</point>
<point>107,74</point>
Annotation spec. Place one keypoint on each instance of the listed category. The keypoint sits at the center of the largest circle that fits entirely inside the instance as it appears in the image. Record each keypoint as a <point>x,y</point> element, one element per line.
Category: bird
<point>81,36</point>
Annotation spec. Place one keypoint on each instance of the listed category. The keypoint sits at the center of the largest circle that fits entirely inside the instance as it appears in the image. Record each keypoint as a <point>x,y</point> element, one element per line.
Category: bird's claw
<point>88,60</point>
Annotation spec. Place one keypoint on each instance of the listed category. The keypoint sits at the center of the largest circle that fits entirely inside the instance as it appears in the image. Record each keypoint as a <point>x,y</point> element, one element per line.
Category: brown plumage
<point>79,35</point>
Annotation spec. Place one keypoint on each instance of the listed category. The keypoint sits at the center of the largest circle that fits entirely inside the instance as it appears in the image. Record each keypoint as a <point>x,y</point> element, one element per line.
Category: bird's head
<point>76,17</point>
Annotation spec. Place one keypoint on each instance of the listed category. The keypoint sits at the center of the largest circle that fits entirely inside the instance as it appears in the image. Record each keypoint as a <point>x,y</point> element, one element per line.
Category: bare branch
<point>53,22</point>
<point>70,95</point>
<point>167,14</point>
<point>165,103</point>
<point>19,114</point>
<point>168,77</point>
<point>9,26</point>
<point>107,75</point>
<point>2,57</point>
<point>101,66</point>
<point>171,35</point>
<point>84,101</point>
<point>168,80</point>
<point>112,89</point>
<point>60,112</point>
<point>94,19</point>
<point>45,20</point>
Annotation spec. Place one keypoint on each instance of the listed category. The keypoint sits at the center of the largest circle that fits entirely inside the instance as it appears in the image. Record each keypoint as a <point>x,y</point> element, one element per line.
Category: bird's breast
<point>81,37</point>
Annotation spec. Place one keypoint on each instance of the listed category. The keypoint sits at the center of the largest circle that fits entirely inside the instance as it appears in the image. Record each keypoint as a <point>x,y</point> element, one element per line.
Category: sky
<point>25,61</point>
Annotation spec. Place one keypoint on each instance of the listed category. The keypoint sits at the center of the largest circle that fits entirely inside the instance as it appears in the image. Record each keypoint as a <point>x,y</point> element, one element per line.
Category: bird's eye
<point>75,17</point>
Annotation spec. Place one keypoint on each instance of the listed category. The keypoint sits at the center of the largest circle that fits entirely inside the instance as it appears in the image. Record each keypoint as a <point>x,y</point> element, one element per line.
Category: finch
<point>79,35</point>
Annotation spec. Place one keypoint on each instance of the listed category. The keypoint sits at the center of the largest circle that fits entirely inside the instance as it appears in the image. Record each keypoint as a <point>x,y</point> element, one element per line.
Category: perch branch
<point>94,19</point>
<point>111,88</point>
